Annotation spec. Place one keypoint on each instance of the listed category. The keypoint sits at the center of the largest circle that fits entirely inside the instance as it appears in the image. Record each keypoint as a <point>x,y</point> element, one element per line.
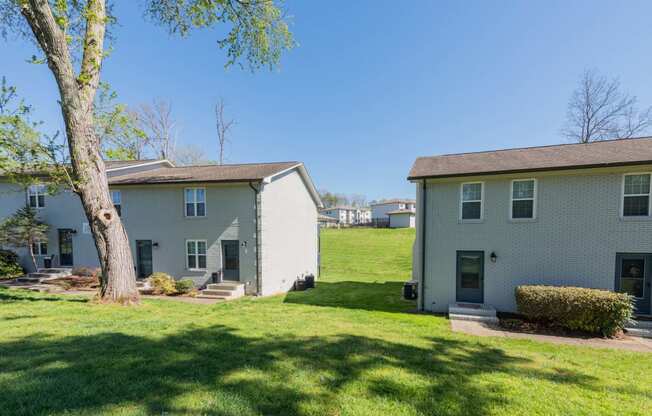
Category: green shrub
<point>576,308</point>
<point>184,286</point>
<point>9,265</point>
<point>162,284</point>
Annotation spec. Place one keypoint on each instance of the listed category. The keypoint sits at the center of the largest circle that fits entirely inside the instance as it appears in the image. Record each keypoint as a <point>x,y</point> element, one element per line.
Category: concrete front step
<point>225,291</point>
<point>639,332</point>
<point>471,309</point>
<point>475,318</point>
<point>212,292</point>
<point>28,279</point>
<point>226,286</point>
<point>202,296</point>
<point>639,323</point>
<point>59,271</point>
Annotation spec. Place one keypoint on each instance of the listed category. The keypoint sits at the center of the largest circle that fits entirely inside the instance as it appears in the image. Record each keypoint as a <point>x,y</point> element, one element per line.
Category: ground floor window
<point>40,248</point>
<point>196,254</point>
<point>632,277</point>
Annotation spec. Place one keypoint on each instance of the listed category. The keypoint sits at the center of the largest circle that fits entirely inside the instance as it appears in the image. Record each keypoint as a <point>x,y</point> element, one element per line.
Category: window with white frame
<point>471,201</point>
<point>116,197</point>
<point>40,248</point>
<point>195,199</point>
<point>196,254</point>
<point>36,196</point>
<point>636,195</point>
<point>523,199</point>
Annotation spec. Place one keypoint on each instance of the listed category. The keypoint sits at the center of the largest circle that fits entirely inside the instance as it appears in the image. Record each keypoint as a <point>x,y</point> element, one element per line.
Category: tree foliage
<point>117,127</point>
<point>258,31</point>
<point>26,155</point>
<point>72,37</point>
<point>331,199</point>
<point>23,229</point>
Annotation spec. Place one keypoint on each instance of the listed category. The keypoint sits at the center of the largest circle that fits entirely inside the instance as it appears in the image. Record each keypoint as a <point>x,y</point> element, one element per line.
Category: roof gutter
<point>259,266</point>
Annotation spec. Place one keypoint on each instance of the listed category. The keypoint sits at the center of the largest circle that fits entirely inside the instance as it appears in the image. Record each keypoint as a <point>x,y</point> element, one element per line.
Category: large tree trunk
<point>77,94</point>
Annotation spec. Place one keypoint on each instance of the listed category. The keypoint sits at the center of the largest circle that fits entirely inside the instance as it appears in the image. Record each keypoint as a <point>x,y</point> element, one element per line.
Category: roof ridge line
<point>536,147</point>
<point>235,164</point>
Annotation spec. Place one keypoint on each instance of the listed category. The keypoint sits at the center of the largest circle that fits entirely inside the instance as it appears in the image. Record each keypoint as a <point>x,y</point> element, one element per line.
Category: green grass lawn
<point>349,347</point>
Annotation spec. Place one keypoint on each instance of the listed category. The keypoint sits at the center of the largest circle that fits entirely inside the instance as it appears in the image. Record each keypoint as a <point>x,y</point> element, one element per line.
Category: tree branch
<point>89,75</point>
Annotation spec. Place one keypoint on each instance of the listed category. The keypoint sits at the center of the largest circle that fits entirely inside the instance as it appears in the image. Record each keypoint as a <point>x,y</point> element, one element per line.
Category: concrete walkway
<point>486,330</point>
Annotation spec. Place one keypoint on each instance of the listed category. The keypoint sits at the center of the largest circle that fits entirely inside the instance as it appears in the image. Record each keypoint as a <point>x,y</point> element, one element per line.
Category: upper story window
<point>36,196</point>
<point>195,199</point>
<point>40,248</point>
<point>636,195</point>
<point>523,199</point>
<point>196,254</point>
<point>471,201</point>
<point>116,197</point>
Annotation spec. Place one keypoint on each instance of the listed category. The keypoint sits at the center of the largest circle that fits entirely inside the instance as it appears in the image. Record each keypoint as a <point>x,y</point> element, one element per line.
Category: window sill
<point>641,218</point>
<point>196,270</point>
<point>479,221</point>
<point>195,217</point>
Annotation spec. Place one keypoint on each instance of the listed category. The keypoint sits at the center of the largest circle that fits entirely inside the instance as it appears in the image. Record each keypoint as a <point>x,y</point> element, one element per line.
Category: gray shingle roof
<point>565,156</point>
<point>204,173</point>
<point>394,201</point>
<point>113,164</point>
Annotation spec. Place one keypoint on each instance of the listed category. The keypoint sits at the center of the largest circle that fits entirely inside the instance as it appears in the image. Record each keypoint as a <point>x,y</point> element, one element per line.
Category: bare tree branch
<point>223,129</point>
<point>159,126</point>
<point>598,110</point>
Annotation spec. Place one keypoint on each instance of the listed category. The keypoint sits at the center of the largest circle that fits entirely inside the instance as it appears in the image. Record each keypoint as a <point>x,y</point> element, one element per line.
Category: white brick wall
<point>573,240</point>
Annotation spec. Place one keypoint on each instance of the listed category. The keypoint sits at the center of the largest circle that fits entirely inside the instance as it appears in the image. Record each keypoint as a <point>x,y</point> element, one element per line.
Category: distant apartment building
<point>347,215</point>
<point>380,210</point>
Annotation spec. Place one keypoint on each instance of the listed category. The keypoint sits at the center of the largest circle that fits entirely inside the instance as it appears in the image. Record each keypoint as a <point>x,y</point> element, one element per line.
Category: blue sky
<point>374,84</point>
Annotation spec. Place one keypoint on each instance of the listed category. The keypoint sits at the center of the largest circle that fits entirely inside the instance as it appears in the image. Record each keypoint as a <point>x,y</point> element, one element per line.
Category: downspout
<point>257,246</point>
<point>422,284</point>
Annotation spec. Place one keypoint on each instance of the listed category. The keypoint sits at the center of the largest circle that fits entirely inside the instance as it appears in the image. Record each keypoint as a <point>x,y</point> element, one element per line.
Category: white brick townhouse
<point>253,223</point>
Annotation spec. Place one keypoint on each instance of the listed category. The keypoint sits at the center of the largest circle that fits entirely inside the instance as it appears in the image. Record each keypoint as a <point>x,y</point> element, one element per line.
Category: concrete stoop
<point>42,275</point>
<point>223,291</point>
<point>639,328</point>
<point>477,312</point>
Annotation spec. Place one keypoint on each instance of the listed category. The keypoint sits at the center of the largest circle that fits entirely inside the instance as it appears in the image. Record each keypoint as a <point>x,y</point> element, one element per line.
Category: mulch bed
<point>75,282</point>
<point>518,323</point>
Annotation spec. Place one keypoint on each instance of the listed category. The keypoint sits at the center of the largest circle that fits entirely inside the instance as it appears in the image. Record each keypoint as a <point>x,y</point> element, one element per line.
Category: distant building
<point>402,218</point>
<point>326,222</point>
<point>347,215</point>
<point>380,210</point>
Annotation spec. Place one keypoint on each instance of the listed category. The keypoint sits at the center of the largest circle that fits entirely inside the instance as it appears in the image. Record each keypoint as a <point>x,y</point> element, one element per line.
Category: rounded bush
<point>10,265</point>
<point>184,286</point>
<point>576,308</point>
<point>162,284</point>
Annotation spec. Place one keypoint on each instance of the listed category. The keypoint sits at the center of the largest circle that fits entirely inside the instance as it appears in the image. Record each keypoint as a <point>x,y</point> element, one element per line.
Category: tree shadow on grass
<point>371,296</point>
<point>218,371</point>
<point>7,297</point>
